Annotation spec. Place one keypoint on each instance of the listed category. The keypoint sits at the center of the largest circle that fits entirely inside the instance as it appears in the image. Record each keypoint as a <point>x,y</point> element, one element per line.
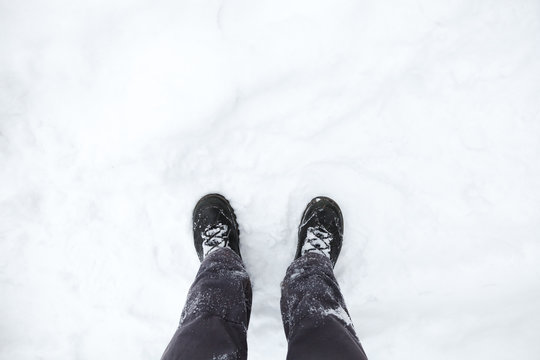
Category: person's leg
<point>316,321</point>
<point>215,318</point>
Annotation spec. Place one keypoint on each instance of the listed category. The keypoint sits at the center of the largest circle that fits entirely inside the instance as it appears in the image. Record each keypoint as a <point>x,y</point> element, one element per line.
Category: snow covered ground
<point>420,117</point>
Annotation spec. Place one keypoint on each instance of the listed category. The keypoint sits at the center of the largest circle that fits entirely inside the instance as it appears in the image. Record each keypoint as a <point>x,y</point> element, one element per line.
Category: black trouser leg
<point>316,321</point>
<point>215,318</point>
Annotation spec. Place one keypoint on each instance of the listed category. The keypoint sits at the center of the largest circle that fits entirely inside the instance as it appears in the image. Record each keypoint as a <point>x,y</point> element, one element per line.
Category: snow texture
<point>420,118</point>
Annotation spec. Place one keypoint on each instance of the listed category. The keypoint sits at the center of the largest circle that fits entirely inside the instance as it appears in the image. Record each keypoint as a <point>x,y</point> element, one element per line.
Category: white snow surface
<point>421,118</point>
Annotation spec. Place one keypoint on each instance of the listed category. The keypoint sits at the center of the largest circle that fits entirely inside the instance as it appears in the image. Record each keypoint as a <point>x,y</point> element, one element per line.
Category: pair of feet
<point>215,226</point>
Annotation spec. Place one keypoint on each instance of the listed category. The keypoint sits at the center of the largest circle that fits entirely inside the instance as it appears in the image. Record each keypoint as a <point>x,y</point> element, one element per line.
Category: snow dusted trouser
<point>316,321</point>
<point>215,318</point>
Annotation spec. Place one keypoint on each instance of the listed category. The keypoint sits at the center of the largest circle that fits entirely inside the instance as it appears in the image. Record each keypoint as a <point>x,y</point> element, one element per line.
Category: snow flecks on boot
<point>318,240</point>
<point>215,237</point>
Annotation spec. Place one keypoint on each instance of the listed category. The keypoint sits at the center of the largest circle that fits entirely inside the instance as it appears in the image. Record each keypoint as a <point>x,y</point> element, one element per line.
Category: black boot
<point>214,225</point>
<point>321,229</point>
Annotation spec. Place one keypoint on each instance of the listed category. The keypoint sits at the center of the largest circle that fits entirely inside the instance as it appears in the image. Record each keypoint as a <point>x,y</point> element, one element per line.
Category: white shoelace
<point>215,237</point>
<point>317,240</point>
